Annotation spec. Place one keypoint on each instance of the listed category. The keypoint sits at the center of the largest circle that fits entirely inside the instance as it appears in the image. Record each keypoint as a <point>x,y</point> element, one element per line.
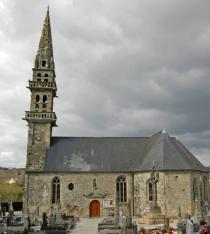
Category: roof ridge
<point>152,142</point>
<point>132,137</point>
<point>166,137</point>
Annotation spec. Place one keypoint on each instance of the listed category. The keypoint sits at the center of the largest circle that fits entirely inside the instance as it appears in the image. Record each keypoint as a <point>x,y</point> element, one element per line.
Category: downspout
<point>133,191</point>
<point>27,190</point>
<point>166,200</point>
<point>26,200</point>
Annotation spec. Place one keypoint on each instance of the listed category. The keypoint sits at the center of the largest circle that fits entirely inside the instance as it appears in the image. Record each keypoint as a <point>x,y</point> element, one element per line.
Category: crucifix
<point>154,178</point>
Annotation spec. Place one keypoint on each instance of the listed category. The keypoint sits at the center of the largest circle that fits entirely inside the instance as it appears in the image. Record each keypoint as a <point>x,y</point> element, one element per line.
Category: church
<point>88,176</point>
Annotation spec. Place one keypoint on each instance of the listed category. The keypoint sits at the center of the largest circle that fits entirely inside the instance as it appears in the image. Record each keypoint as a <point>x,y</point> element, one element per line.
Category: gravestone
<point>206,207</point>
<point>1,213</point>
<point>25,213</point>
<point>37,217</point>
<point>4,211</point>
<point>208,227</point>
<point>197,213</point>
<point>108,225</point>
<point>206,210</point>
<point>44,221</point>
<point>189,227</point>
<point>58,218</point>
<point>117,209</point>
<point>124,224</point>
<point>135,228</point>
<point>180,223</point>
<point>208,218</point>
<point>11,210</point>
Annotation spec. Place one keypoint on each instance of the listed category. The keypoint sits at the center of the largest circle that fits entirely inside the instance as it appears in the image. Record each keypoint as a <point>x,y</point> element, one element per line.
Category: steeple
<point>44,57</point>
<point>41,117</point>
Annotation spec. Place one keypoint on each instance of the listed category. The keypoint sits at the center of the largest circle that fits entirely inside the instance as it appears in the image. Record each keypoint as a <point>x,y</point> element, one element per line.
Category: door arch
<point>94,208</point>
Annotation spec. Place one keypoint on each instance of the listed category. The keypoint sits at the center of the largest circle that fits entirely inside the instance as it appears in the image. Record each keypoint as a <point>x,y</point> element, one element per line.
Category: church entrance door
<point>94,208</point>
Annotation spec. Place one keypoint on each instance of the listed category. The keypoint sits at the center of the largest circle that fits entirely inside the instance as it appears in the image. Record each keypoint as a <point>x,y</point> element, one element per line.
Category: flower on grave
<point>171,230</point>
<point>155,231</point>
<point>203,230</point>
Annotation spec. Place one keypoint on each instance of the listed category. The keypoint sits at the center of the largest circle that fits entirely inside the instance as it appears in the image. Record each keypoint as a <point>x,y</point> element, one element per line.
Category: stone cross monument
<point>154,178</point>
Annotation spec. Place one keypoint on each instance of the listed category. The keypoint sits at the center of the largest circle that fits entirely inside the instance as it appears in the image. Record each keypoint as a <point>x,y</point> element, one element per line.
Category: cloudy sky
<point>124,68</point>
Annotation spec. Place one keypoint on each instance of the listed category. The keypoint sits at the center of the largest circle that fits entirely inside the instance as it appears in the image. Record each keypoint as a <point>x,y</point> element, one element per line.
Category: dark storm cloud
<point>122,68</point>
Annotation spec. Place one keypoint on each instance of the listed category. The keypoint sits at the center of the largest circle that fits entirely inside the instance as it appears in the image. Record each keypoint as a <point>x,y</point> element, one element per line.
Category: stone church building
<point>85,175</point>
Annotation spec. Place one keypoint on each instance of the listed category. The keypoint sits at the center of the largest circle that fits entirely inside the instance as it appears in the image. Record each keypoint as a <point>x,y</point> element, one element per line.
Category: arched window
<point>45,75</point>
<point>39,75</point>
<point>43,63</point>
<point>56,185</point>
<point>205,191</point>
<point>121,189</point>
<point>37,98</point>
<point>150,193</point>
<point>195,189</point>
<point>44,101</point>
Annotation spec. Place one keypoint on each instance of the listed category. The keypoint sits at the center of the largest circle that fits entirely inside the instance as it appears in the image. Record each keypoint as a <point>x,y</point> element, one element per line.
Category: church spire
<point>41,118</point>
<point>44,57</point>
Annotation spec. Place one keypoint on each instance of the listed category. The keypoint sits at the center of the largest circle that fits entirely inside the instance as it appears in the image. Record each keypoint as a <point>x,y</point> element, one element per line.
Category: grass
<point>11,192</point>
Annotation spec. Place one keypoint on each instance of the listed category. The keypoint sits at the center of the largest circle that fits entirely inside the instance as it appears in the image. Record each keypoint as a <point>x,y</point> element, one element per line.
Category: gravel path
<point>86,226</point>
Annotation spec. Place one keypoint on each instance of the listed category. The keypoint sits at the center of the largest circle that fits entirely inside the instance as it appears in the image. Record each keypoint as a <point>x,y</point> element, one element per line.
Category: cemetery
<point>155,221</point>
<point>12,222</point>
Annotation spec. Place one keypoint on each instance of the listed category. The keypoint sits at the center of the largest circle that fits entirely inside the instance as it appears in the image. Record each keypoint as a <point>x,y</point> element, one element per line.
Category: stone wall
<point>174,190</point>
<point>178,193</point>
<point>39,135</point>
<point>76,201</point>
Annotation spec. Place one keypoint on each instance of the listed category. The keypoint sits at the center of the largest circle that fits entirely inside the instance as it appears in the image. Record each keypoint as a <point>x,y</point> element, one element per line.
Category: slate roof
<point>119,154</point>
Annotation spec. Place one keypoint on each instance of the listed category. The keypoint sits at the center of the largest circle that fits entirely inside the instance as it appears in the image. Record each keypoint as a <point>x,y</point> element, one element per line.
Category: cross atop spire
<point>45,50</point>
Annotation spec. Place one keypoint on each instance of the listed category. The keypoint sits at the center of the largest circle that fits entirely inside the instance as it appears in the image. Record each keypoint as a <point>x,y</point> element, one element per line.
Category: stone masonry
<point>41,117</point>
<point>173,190</point>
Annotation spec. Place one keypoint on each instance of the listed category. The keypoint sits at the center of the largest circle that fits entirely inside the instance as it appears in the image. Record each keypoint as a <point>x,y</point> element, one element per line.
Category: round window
<point>71,186</point>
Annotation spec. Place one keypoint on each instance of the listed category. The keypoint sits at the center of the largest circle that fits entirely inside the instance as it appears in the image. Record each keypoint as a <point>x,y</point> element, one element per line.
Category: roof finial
<point>163,131</point>
<point>48,10</point>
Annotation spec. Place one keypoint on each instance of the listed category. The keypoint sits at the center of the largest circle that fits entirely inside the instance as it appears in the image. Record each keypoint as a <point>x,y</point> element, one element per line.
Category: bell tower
<point>41,117</point>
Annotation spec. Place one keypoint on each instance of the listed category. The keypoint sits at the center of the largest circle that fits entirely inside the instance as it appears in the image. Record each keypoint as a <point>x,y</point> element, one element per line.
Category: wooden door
<point>94,208</point>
